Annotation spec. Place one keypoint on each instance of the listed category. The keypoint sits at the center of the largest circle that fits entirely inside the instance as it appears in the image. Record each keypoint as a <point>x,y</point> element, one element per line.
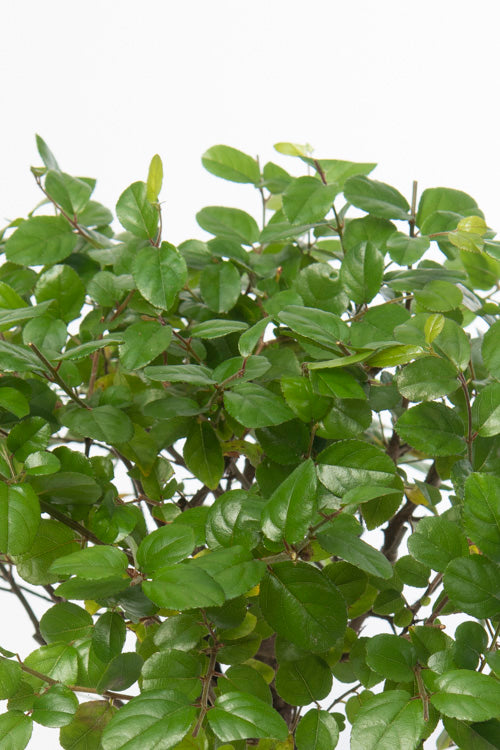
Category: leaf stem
<point>470,435</point>
<point>57,378</point>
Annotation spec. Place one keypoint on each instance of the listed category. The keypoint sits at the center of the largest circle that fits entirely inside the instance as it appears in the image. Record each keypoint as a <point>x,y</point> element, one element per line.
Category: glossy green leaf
<point>479,736</point>
<point>234,519</point>
<point>106,423</point>
<point>41,240</point>
<point>453,342</point>
<point>142,342</point>
<point>214,329</point>
<point>11,318</point>
<point>57,660</point>
<point>250,338</point>
<point>254,406</point>
<point>10,677</point>
<point>303,606</point>
<point>136,213</point>
<point>229,224</point>
<point>351,463</point>
<point>158,718</point>
<point>481,513</point>
<point>432,428</point>
<point>184,587</point>
<point>395,355</point>
<point>361,272</point>
<point>468,695</point>
<point>19,518</point>
<point>306,200</point>
<point>108,636</point>
<point>406,250</point>
<point>338,542</point>
<point>443,199</point>
<point>203,454</point>
<point>180,632</point>
<point>220,286</point>
<point>321,327</point>
<point>439,296</point>
<point>427,379</point>
<point>70,193</point>
<point>376,198</point>
<point>165,546</point>
<point>233,569</point>
<point>46,154</point>
<point>56,707</point>
<point>436,541</point>
<point>287,514</point>
<point>52,540</point>
<point>193,374</point>
<point>160,273</point>
<point>92,563</point>
<point>491,350</point>
<point>62,284</point>
<point>19,358</point>
<point>305,681</point>
<point>241,715</point>
<point>303,401</point>
<point>337,383</point>
<point>65,622</point>
<point>172,669</point>
<point>392,657</point>
<point>85,731</point>
<point>486,411</point>
<point>231,164</point>
<point>41,463</point>
<point>15,730</point>
<point>317,730</point>
<point>391,720</point>
<point>473,584</point>
<point>29,435</point>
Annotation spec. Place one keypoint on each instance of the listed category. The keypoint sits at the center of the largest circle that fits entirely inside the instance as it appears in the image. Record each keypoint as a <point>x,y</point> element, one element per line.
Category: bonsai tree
<point>253,476</point>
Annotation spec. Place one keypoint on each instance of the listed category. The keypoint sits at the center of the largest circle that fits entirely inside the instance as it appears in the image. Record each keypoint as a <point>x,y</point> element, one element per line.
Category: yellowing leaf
<point>155,179</point>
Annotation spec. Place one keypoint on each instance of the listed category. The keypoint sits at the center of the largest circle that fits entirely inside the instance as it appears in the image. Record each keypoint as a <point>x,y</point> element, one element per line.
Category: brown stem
<point>57,378</point>
<point>422,691</point>
<point>71,220</point>
<point>413,209</point>
<point>76,688</point>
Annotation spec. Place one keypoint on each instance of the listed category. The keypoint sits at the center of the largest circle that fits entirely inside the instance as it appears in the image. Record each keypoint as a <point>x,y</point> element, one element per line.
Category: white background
<point>412,86</point>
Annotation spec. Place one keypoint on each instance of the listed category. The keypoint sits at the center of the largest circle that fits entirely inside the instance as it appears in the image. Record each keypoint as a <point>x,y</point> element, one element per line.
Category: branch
<point>7,576</point>
<point>57,378</point>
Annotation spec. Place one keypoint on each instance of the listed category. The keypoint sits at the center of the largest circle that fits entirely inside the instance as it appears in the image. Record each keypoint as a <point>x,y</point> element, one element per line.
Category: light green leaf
<point>317,730</point>
<point>454,343</point>
<point>432,428</point>
<point>443,199</point>
<point>321,327</point>
<point>362,271</point>
<point>19,518</point>
<point>376,198</point>
<point>473,584</point>
<point>46,154</point>
<point>351,463</point>
<point>239,716</point>
<point>65,622</point>
<point>339,542</point>
<point>392,657</point>
<point>160,273</point>
<point>52,540</point>
<point>57,660</point>
<point>289,511</point>
<point>62,284</point>
<point>481,513</point>
<point>251,337</point>
<point>480,736</point>
<point>106,423</point>
<point>436,541</point>
<point>486,411</point>
<point>404,250</point>
<point>439,296</point>
<point>433,327</point>
<point>254,406</point>
<point>142,342</point>
<point>172,669</point>
<point>214,329</point>
<point>220,286</point>
<point>14,401</point>
<point>15,730</point>
<point>136,213</point>
<point>193,374</point>
<point>427,379</point>
<point>203,454</point>
<point>231,164</point>
<point>229,224</point>
<point>164,547</point>
<point>184,587</point>
<point>41,240</point>
<point>56,707</point>
<point>468,695</point>
<point>491,350</point>
<point>303,606</point>
<point>71,193</point>
<point>306,200</point>
<point>155,179</point>
<point>10,677</point>
<point>92,563</point>
<point>392,720</point>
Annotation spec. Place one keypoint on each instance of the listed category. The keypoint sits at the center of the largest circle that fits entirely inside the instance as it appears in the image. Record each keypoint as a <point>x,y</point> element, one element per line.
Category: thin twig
<point>7,576</point>
<point>57,378</point>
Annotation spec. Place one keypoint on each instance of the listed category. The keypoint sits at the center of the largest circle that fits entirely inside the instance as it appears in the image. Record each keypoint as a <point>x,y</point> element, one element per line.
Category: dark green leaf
<point>63,285</point>
<point>436,541</point>
<point>361,272</point>
<point>473,584</point>
<point>52,540</point>
<point>176,670</point>
<point>432,428</point>
<point>317,730</point>
<point>92,563</point>
<point>85,731</point>
<point>288,513</point>
<point>19,518</point>
<point>143,342</point>
<point>203,454</point>
<point>194,374</point>
<point>108,636</point>
<point>13,400</point>
<point>335,540</point>
<point>352,463</point>
<point>376,198</point>
<point>392,657</point>
<point>481,736</point>
<point>42,463</point>
<point>481,513</point>
<point>486,411</point>
<point>427,379</point>
<point>439,296</point>
<point>28,436</point>
<point>468,695</point>
<point>305,681</point>
<point>160,273</point>
<point>229,224</point>
<point>41,240</point>
<point>337,383</point>
<point>121,672</point>
<point>164,547</point>
<point>303,606</point>
<point>65,622</point>
<point>181,632</point>
<point>106,423</point>
<point>322,327</point>
<point>491,350</point>
<point>255,406</point>
<point>233,519</point>
<point>220,286</point>
<point>184,587</point>
<point>214,329</point>
<point>241,715</point>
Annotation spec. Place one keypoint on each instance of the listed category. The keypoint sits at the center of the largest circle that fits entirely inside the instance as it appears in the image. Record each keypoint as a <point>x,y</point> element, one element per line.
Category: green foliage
<point>200,445</point>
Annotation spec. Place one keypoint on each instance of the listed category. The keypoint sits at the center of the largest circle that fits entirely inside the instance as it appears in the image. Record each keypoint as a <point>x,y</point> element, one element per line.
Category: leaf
<point>439,296</point>
<point>321,327</point>
<point>71,193</point>
<point>436,541</point>
<point>338,170</point>
<point>303,606</point>
<point>184,587</point>
<point>46,154</point>
<point>433,327</point>
<point>62,284</point>
<point>292,149</point>
<point>289,511</point>
<point>233,519</point>
<point>251,337</point>
<point>41,463</point>
<point>231,164</point>
<point>65,622</point>
<point>432,428</point>
<point>56,707</point>
<point>362,271</point>
<point>193,374</point>
<point>214,329</point>
<point>160,273</point>
<point>443,199</point>
<point>229,224</point>
<point>300,397</point>
<point>317,730</point>
<point>427,379</point>
<point>11,318</point>
<point>391,720</point>
<point>306,200</point>
<point>337,383</point>
<point>85,731</point>
<point>376,198</point>
<point>481,513</point>
<point>404,250</point>
<point>121,672</point>
<point>136,213</point>
<point>339,542</point>
<point>481,736</point>
<point>491,351</point>
<point>233,569</point>
<point>29,435</point>
<point>473,584</point>
<point>254,406</point>
<point>41,240</point>
<point>13,400</point>
<point>175,670</point>
<point>52,540</point>
<point>57,660</point>
<point>68,486</point>
<point>19,358</point>
<point>467,695</point>
<point>165,546</point>
<point>392,657</point>
<point>180,632</point>
<point>351,463</point>
<point>155,179</point>
<point>453,342</point>
<point>203,454</point>
<point>15,730</point>
<point>142,342</point>
<point>108,636</point>
<point>304,681</point>
<point>92,563</point>
<point>395,355</point>
<point>486,411</point>
<point>105,423</point>
<point>241,715</point>
<point>19,518</point>
<point>10,677</point>
<point>220,286</point>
